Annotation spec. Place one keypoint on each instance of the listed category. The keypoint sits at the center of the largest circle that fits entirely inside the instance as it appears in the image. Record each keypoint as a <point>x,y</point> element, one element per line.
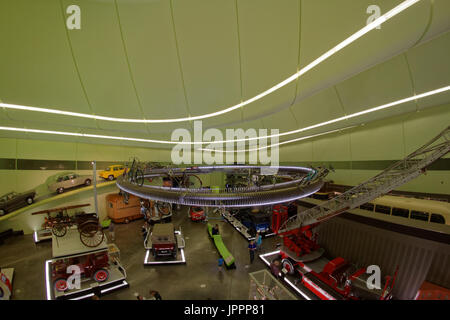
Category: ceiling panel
<point>269,36</point>
<point>318,108</point>
<point>35,59</point>
<point>102,62</point>
<point>384,83</point>
<point>150,42</point>
<point>430,69</point>
<point>283,120</point>
<point>209,55</point>
<point>327,23</point>
<point>439,19</point>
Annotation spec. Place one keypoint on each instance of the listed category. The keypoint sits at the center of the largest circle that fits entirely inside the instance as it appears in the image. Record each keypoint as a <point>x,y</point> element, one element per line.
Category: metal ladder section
<point>392,177</point>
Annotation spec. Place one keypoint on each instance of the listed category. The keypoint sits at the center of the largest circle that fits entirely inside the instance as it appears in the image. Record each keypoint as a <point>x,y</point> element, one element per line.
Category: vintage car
<point>94,266</point>
<point>112,172</point>
<point>13,201</point>
<point>69,180</point>
<point>163,240</point>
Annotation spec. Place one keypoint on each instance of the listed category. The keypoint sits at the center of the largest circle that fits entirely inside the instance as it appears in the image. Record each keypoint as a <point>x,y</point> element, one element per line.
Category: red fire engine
<point>335,279</point>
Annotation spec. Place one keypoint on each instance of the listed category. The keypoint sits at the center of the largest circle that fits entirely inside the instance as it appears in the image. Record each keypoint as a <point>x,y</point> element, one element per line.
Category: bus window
<point>400,212</point>
<point>437,218</point>
<point>367,206</point>
<point>383,209</point>
<point>418,215</point>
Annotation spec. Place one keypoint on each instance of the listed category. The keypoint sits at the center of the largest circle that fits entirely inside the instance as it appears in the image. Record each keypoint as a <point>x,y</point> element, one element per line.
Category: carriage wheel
<point>60,285</point>
<point>91,234</point>
<point>59,230</point>
<point>101,275</point>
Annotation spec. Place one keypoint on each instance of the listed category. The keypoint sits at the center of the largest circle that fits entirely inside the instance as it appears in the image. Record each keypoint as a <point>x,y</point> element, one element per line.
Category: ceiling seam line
<point>413,85</point>
<point>179,60</point>
<point>129,66</point>
<point>83,88</point>
<point>298,59</point>
<point>240,58</point>
<point>340,100</point>
<point>427,27</point>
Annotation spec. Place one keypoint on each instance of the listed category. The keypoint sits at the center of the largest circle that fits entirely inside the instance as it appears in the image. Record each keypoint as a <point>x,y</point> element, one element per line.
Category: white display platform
<point>42,235</point>
<point>292,281</point>
<point>71,244</point>
<point>151,260</point>
<point>116,280</point>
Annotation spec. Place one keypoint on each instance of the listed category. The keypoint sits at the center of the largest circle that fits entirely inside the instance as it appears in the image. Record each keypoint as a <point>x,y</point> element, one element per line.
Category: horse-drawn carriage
<point>91,232</point>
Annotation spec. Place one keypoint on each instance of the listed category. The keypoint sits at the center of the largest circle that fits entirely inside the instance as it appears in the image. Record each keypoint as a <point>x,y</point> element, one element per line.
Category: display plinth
<point>88,287</point>
<point>71,244</point>
<point>42,235</point>
<point>152,260</point>
<point>292,281</point>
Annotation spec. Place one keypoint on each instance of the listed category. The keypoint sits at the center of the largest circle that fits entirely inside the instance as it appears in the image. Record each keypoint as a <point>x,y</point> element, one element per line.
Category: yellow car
<point>112,172</point>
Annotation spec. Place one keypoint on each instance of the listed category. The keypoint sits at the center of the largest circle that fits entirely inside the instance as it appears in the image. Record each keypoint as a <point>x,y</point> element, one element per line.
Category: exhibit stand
<point>6,280</point>
<point>150,259</point>
<point>42,235</point>
<point>240,227</point>
<point>291,280</point>
<point>100,268</point>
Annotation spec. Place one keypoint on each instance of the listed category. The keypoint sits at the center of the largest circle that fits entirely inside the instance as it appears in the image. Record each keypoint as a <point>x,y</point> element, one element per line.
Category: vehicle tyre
<point>30,200</point>
<point>110,177</point>
<point>101,275</point>
<point>87,182</point>
<point>60,190</point>
<point>60,285</point>
<point>287,264</point>
<point>2,212</point>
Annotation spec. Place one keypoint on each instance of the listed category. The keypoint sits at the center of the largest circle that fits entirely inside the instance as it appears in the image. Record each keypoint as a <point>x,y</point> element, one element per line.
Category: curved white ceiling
<point>166,59</point>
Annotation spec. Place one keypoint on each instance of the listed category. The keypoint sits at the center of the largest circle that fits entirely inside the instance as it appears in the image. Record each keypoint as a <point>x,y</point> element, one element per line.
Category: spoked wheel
<point>101,275</point>
<point>193,182</point>
<point>60,285</point>
<point>91,234</point>
<point>163,208</point>
<point>287,264</point>
<point>59,230</point>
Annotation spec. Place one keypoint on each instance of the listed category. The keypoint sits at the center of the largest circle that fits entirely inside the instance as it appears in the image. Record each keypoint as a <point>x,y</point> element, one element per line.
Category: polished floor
<point>198,279</point>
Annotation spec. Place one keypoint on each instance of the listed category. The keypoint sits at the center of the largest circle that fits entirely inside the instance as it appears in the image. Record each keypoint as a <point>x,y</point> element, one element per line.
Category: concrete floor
<point>198,279</point>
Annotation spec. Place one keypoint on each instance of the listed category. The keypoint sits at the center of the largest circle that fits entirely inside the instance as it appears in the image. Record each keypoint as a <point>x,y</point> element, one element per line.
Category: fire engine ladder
<point>392,177</point>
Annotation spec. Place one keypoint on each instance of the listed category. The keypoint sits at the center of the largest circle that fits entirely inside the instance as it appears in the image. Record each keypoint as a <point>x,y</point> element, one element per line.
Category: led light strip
<point>390,14</point>
<point>273,144</point>
<point>385,106</point>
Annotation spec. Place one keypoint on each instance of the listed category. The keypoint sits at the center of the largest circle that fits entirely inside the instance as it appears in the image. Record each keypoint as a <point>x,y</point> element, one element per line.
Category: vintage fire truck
<point>93,266</point>
<point>335,279</point>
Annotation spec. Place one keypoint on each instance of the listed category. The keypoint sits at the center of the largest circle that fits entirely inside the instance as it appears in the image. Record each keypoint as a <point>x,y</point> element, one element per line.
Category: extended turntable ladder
<point>394,176</point>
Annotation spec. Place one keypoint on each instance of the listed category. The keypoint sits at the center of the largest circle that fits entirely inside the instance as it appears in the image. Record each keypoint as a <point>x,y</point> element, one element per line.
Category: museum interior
<point>225,150</point>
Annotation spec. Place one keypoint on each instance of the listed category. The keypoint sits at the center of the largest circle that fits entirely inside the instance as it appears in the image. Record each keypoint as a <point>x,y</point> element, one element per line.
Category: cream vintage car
<point>69,180</point>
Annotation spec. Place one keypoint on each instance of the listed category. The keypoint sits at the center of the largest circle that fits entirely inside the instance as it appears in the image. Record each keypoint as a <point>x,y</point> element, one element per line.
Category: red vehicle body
<point>163,239</point>
<point>197,213</point>
<point>335,279</point>
<point>91,266</point>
